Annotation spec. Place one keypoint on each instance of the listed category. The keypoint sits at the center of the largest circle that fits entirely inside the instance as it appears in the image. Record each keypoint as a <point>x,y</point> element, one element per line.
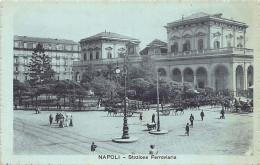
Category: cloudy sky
<point>142,20</point>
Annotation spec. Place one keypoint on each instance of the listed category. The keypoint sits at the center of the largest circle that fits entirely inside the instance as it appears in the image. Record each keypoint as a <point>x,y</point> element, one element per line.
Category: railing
<point>229,50</point>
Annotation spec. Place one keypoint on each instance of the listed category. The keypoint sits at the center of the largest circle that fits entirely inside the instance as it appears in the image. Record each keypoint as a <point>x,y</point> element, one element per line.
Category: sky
<point>141,20</point>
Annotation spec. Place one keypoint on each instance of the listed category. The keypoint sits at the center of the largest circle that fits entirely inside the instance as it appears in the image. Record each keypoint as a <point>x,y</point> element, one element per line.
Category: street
<point>231,136</point>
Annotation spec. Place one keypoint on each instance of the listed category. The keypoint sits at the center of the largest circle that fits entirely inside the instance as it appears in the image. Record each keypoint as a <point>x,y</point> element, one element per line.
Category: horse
<point>110,111</point>
<point>181,109</point>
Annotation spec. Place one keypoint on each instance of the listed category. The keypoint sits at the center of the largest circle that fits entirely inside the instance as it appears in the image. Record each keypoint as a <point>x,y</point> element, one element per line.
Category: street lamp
<point>158,131</point>
<point>125,137</point>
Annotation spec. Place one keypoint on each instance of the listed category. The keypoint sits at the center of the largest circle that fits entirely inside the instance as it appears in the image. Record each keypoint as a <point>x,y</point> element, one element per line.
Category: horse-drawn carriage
<point>118,108</point>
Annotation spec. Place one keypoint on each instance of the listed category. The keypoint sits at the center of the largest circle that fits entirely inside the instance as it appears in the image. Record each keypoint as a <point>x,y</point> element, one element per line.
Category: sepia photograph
<point>105,82</point>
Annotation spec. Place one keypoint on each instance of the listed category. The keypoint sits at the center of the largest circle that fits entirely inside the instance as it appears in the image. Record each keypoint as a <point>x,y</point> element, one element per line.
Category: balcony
<point>206,52</point>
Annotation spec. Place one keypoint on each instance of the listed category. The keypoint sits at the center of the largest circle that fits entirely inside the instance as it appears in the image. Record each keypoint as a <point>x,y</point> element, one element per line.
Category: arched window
<point>216,44</point>
<point>186,46</point>
<point>200,44</point>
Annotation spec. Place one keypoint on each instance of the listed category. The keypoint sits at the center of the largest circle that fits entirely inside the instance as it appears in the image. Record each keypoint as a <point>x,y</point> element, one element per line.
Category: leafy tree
<point>110,71</point>
<point>148,65</point>
<point>89,74</point>
<point>104,87</point>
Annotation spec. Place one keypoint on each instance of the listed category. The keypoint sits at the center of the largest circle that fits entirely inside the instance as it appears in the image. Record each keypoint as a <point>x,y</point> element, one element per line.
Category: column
<point>245,77</point>
<point>195,80</point>
<point>182,78</point>
<point>233,79</point>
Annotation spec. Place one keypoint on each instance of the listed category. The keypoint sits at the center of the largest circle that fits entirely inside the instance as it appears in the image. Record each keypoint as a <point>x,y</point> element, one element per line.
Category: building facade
<point>207,51</point>
<point>62,53</point>
<point>106,48</point>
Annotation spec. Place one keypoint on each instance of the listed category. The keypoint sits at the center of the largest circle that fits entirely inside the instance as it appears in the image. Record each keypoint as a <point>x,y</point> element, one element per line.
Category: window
<point>109,55</point>
<point>186,46</point>
<point>16,68</point>
<point>85,57</point>
<point>216,44</point>
<point>16,44</point>
<point>25,45</point>
<point>97,55</point>
<point>200,44</point>
<point>174,47</point>
<point>30,45</point>
<point>91,56</point>
<point>25,78</point>
<point>229,44</point>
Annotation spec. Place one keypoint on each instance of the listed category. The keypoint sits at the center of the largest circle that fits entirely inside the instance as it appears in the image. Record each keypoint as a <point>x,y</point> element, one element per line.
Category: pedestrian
<point>153,151</point>
<point>71,124</point>
<point>191,120</point>
<point>202,115</point>
<point>36,110</point>
<point>187,129</point>
<point>141,118</point>
<point>57,118</point>
<point>15,105</point>
<point>148,105</point>
<point>50,119</point>
<point>222,112</point>
<point>93,148</point>
<point>153,118</point>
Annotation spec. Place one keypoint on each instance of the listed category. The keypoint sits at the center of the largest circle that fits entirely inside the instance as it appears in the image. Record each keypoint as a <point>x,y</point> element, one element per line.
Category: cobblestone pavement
<point>230,136</point>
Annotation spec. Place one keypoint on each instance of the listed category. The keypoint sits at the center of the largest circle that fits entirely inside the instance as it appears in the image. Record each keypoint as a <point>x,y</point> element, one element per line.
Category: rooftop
<point>158,43</point>
<point>202,15</point>
<point>43,40</point>
<point>109,35</point>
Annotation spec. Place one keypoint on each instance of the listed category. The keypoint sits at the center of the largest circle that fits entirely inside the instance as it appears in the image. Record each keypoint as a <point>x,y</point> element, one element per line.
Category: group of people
<point>61,120</point>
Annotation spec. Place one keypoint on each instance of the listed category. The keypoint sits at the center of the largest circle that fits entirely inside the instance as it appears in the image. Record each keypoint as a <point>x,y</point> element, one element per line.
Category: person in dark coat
<point>153,118</point>
<point>222,112</point>
<point>191,120</point>
<point>202,115</point>
<point>57,118</point>
<point>50,119</point>
<point>187,129</point>
<point>141,118</point>
<point>93,148</point>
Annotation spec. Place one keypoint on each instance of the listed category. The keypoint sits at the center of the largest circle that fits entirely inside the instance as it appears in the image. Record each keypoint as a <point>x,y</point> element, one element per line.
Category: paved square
<point>213,136</point>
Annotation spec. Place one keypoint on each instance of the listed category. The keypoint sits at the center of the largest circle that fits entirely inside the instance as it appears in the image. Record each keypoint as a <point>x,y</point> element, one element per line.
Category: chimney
<point>105,31</point>
<point>182,17</point>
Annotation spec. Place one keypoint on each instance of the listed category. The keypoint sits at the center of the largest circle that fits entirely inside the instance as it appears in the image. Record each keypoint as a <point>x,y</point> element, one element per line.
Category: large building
<point>104,48</point>
<point>207,51</point>
<point>62,53</point>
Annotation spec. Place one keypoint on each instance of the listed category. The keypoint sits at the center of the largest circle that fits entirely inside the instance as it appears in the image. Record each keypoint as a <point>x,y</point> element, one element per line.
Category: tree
<point>39,66</point>
<point>89,74</point>
<point>109,72</point>
<point>104,87</point>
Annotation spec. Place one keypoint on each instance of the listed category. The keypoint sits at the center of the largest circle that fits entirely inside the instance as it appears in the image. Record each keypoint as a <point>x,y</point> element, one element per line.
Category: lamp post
<point>125,138</point>
<point>158,131</point>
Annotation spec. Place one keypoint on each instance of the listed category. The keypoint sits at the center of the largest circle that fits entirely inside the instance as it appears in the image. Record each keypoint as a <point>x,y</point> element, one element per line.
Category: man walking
<point>222,112</point>
<point>187,129</point>
<point>141,118</point>
<point>153,118</point>
<point>93,148</point>
<point>191,120</point>
<point>202,115</point>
